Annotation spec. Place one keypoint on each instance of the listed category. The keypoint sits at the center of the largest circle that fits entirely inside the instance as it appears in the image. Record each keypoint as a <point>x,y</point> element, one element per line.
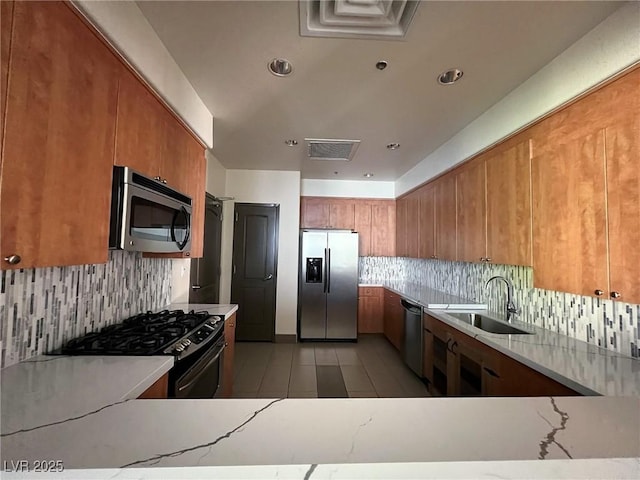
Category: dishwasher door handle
<point>410,307</point>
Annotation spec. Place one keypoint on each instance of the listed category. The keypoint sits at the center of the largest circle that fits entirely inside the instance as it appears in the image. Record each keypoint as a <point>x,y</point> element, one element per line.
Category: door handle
<point>195,287</point>
<point>268,277</point>
<point>328,270</point>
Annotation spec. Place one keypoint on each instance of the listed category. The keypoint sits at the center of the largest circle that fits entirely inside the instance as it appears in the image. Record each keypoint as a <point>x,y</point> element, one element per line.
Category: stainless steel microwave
<point>147,215</point>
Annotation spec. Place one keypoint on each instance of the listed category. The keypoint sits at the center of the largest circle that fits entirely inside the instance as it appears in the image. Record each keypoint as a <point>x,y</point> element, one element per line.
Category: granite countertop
<point>583,367</point>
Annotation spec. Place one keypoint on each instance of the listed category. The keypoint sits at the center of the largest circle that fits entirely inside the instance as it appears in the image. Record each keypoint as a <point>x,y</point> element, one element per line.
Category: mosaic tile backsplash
<point>608,324</point>
<point>43,308</point>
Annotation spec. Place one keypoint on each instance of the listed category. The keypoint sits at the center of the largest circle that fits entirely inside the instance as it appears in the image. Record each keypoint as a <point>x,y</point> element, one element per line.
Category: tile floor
<point>372,367</point>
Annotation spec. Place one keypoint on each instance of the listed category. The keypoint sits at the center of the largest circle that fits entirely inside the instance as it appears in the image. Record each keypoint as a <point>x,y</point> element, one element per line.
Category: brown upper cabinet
<point>427,222</point>
<point>383,228</point>
<point>324,212</point>
<point>58,138</point>
<point>413,224</point>
<point>445,206</point>
<point>471,233</point>
<point>401,227</point>
<point>586,188</point>
<point>508,171</point>
<point>374,220</point>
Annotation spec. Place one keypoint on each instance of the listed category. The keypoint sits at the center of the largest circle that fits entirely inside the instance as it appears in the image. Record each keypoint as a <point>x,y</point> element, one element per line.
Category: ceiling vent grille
<point>372,19</point>
<point>323,149</point>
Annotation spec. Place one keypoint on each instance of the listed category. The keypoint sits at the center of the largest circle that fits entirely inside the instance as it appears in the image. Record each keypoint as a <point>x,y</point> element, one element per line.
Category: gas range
<point>170,332</point>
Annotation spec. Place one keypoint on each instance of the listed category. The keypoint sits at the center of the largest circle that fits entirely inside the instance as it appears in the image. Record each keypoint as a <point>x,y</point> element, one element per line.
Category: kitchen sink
<point>489,324</point>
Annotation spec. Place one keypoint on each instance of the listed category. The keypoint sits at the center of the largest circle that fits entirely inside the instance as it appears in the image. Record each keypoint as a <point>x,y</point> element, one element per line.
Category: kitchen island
<point>86,415</point>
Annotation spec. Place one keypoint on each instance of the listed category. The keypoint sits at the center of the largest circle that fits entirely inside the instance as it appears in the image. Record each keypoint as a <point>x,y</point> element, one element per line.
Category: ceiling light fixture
<point>280,67</point>
<point>291,143</point>
<point>368,175</point>
<point>393,146</point>
<point>450,76</point>
<point>381,65</point>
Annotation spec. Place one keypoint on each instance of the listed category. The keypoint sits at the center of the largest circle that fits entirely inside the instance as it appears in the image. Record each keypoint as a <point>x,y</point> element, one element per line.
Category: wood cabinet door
<point>427,353</point>
<point>383,228</point>
<point>6,22</point>
<point>471,233</point>
<point>509,203</point>
<point>59,137</point>
<point>196,190</point>
<point>141,141</point>
<point>228,356</point>
<point>342,214</point>
<point>413,224</point>
<point>314,212</point>
<point>445,195</point>
<point>569,218</point>
<point>401,227</point>
<point>370,313</point>
<point>363,227</point>
<point>427,222</point>
<point>178,162</point>
<point>623,196</point>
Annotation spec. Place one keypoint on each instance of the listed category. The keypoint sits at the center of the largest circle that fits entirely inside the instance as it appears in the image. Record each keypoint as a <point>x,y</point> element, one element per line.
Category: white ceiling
<point>335,90</point>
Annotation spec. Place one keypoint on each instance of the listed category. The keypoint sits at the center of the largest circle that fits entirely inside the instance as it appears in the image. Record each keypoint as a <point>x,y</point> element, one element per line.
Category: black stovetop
<point>144,334</point>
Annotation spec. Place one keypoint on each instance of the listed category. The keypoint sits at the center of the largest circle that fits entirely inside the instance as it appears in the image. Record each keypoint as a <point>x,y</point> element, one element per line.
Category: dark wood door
<point>253,284</point>
<point>205,271</point>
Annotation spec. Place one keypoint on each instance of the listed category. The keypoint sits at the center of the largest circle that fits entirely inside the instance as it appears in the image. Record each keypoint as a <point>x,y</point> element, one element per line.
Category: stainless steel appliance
<point>412,336</point>
<point>147,215</point>
<point>328,286</point>
<point>195,339</point>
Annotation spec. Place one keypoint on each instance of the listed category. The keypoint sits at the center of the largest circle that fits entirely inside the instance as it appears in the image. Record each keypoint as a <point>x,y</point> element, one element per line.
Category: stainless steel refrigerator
<point>328,293</point>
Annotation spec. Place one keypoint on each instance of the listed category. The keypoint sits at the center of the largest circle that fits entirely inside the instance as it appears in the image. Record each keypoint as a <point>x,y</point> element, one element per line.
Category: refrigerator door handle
<point>324,274</point>
<point>328,270</point>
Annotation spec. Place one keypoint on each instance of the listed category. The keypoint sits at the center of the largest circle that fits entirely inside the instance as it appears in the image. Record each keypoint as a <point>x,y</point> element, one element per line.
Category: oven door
<point>154,222</point>
<point>199,378</point>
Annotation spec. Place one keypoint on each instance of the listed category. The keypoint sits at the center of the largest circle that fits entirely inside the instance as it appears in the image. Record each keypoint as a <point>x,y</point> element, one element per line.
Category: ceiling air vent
<point>372,19</point>
<point>323,149</point>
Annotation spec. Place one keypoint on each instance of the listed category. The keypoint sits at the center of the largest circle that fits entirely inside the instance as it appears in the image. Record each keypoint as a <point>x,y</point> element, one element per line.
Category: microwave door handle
<point>182,244</point>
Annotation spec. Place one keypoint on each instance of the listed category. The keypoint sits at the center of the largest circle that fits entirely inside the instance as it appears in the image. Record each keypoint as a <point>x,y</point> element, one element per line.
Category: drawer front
<point>370,291</point>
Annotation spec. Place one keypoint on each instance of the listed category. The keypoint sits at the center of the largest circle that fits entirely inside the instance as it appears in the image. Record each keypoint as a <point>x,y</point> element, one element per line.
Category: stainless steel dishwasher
<point>412,336</point>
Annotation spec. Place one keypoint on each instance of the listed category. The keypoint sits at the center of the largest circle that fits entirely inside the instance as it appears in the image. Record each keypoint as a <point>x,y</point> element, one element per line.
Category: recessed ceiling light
<point>381,65</point>
<point>291,143</point>
<point>368,175</point>
<point>280,67</point>
<point>393,146</point>
<point>450,76</point>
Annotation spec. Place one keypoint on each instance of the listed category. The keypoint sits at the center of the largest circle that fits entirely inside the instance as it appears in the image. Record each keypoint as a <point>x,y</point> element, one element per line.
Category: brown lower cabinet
<point>158,390</point>
<point>393,324</point>
<point>227,356</point>
<point>457,365</point>
<point>370,310</point>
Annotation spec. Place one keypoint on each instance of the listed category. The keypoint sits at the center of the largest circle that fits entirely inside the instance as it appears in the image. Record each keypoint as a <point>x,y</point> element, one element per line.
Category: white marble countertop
<point>190,433</point>
<point>54,388</point>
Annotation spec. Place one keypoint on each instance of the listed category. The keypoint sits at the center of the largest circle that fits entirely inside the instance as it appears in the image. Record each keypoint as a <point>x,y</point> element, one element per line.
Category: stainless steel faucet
<point>511,306</point>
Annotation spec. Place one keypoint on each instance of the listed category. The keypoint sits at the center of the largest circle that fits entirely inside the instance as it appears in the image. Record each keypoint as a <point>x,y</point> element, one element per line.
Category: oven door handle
<point>184,212</point>
<point>215,358</point>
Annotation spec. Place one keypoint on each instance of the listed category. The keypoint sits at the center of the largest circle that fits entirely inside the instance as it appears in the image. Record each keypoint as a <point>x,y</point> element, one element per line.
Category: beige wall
<point>347,188</point>
<point>283,188</point>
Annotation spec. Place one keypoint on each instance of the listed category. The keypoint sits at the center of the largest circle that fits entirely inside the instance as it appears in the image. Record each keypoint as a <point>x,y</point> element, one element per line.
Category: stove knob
<point>187,342</point>
<point>179,348</point>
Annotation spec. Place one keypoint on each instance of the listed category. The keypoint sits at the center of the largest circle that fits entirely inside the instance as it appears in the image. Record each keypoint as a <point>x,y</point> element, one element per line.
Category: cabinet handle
<point>448,342</point>
<point>428,331</point>
<point>164,180</point>
<point>195,287</point>
<point>491,372</point>
<point>616,295</point>
<point>487,259</point>
<point>482,259</point>
<point>434,256</point>
<point>598,292</point>
<point>13,259</point>
<point>157,178</point>
<point>454,345</point>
